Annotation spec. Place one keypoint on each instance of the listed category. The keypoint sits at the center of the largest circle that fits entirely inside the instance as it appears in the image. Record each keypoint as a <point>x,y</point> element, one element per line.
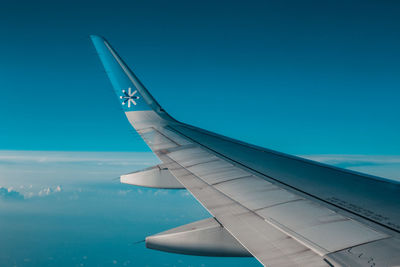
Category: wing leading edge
<point>284,210</point>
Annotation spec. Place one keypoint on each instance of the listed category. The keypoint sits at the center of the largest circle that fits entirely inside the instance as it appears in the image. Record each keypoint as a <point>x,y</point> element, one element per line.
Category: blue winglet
<point>130,91</point>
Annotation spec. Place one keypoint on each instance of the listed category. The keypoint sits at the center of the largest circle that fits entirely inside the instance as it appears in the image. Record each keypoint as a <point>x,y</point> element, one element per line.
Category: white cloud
<point>387,166</point>
<point>10,194</point>
<point>123,192</point>
<point>160,192</point>
<point>43,171</point>
<point>98,158</point>
<point>372,159</point>
<point>49,191</point>
<point>185,193</point>
<point>22,193</point>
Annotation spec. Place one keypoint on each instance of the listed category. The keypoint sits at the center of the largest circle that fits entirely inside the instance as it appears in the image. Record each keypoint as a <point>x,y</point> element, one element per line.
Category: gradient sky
<point>315,78</point>
<point>296,76</point>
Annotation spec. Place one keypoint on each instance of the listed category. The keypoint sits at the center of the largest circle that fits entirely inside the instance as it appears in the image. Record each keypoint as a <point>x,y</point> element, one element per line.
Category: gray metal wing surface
<point>284,210</point>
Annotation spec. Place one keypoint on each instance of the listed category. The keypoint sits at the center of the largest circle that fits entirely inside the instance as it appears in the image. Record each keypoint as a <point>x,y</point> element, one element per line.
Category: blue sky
<point>309,77</point>
<point>313,78</point>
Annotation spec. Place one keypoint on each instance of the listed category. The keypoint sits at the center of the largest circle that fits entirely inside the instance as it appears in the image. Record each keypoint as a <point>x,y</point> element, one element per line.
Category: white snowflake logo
<point>129,97</point>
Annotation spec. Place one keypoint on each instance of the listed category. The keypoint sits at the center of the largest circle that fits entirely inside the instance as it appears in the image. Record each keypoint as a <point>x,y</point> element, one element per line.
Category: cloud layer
<point>30,174</point>
<point>10,194</point>
<point>111,158</point>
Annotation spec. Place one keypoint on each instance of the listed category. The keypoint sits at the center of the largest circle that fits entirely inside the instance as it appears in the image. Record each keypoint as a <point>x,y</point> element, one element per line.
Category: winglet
<point>131,92</point>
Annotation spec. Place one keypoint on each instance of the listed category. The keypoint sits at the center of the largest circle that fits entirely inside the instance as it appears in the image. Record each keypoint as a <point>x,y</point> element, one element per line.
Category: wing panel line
<point>285,184</point>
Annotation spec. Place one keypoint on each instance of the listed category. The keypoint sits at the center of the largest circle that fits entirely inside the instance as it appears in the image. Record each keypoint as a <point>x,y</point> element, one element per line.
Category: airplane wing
<point>281,209</point>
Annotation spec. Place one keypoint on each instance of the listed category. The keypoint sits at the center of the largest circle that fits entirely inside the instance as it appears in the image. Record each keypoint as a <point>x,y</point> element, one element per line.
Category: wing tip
<point>109,56</point>
<point>98,39</point>
<point>95,36</point>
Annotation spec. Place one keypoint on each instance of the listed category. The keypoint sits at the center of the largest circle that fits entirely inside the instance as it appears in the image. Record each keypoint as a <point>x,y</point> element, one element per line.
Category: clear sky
<point>297,76</point>
<point>315,78</point>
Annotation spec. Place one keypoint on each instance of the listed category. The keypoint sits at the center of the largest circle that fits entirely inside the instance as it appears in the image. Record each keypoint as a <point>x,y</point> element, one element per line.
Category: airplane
<point>281,209</point>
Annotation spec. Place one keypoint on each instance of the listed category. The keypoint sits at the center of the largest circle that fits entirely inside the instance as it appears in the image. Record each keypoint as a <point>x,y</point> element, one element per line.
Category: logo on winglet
<point>129,97</point>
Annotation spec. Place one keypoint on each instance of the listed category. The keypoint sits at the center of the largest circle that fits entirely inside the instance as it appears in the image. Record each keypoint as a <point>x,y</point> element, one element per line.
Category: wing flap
<point>269,245</point>
<point>318,228</point>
